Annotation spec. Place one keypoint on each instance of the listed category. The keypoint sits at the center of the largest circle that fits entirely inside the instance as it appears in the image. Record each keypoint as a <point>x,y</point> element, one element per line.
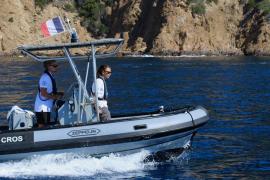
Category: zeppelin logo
<point>83,132</point>
<point>11,139</point>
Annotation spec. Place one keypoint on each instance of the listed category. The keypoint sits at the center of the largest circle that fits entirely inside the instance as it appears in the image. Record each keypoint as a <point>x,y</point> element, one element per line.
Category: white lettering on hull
<point>11,139</point>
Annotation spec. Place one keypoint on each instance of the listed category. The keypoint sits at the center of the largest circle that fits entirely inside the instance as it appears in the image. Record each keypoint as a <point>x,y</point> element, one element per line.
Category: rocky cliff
<point>160,27</point>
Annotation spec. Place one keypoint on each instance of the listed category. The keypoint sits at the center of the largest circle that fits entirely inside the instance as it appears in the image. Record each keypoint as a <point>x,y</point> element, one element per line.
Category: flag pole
<point>67,23</point>
<point>44,38</point>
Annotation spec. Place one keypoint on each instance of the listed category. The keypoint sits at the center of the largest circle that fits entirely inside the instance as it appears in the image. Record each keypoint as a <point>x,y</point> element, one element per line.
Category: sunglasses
<point>108,72</point>
<point>54,65</point>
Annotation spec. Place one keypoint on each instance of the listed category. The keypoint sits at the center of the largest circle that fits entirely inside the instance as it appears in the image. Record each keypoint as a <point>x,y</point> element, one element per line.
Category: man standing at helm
<point>104,72</point>
<point>47,94</point>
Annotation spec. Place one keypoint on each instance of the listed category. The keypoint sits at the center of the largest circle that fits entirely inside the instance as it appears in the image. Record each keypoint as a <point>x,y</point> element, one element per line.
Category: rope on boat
<point>193,123</point>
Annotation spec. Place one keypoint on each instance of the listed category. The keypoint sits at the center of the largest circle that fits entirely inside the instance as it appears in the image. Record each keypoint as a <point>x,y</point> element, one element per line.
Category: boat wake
<point>73,165</point>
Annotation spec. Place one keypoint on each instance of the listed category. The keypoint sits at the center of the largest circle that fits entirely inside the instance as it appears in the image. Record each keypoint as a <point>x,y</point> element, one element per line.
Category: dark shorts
<point>43,117</point>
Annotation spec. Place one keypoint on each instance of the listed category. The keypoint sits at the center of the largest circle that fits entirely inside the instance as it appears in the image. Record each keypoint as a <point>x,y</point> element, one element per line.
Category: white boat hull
<point>153,133</point>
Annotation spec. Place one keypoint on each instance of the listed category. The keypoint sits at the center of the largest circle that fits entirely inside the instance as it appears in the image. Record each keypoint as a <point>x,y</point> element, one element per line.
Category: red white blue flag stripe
<point>52,27</point>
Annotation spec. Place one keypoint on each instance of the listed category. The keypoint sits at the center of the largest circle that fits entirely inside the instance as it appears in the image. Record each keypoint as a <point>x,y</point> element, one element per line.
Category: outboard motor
<point>20,119</point>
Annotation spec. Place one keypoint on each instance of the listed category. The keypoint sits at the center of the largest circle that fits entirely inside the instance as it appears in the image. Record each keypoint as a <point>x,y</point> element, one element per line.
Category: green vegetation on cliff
<point>94,15</point>
<point>42,3</point>
<point>198,6</point>
<point>263,5</point>
<point>93,12</point>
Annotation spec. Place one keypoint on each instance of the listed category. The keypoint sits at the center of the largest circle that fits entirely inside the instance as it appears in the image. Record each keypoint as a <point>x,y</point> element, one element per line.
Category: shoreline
<point>193,54</point>
<point>190,54</point>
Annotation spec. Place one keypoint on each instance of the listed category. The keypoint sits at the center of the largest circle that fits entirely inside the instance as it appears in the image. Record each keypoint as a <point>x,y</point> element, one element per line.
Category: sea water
<point>234,144</point>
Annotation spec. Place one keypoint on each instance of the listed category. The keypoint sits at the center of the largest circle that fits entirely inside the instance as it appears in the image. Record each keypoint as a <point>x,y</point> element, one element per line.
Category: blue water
<point>234,144</point>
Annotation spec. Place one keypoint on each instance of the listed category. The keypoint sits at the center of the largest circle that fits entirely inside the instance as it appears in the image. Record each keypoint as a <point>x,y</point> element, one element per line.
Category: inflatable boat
<point>79,129</point>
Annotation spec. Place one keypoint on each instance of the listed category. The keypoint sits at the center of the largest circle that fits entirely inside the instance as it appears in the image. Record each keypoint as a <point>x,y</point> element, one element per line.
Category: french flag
<point>52,27</point>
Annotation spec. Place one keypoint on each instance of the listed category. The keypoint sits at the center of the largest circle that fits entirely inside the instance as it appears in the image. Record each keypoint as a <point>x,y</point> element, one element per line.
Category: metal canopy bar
<point>81,84</point>
<point>95,80</point>
<point>101,42</point>
<point>47,58</point>
<point>30,49</point>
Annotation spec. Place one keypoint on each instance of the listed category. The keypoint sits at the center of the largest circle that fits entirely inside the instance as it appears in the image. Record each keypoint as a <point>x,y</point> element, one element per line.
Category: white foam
<point>141,55</point>
<point>192,55</point>
<point>73,165</point>
<point>166,56</point>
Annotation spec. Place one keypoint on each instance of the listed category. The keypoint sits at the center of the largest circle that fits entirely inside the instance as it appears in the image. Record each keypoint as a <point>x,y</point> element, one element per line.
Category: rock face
<point>169,27</point>
<point>254,34</point>
<point>158,27</point>
<point>215,32</point>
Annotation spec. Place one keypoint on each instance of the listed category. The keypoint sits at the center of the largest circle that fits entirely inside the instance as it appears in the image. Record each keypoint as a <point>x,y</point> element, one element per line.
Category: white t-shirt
<point>45,104</point>
<point>100,92</point>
